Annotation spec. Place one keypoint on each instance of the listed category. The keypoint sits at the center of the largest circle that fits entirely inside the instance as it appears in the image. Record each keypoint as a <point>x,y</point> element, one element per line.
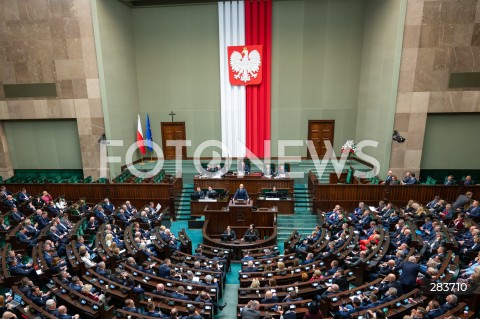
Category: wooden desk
<point>253,184</point>
<point>284,206</point>
<point>238,215</point>
<point>197,207</point>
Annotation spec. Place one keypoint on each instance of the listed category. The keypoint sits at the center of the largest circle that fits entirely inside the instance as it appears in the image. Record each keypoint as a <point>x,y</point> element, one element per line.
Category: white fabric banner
<point>231,15</point>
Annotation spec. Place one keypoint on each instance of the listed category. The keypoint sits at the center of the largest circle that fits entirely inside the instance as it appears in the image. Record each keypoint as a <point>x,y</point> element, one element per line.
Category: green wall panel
<point>451,142</point>
<point>43,144</point>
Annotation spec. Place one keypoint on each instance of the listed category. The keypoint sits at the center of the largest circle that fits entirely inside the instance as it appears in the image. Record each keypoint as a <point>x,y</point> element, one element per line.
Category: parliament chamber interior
<point>249,159</point>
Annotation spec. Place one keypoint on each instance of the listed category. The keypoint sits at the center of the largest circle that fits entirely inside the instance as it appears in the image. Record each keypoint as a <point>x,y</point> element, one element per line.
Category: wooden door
<point>319,132</point>
<point>172,131</point>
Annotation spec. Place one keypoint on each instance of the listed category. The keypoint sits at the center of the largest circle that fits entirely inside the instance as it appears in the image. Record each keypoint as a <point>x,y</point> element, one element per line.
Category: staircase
<point>182,202</point>
<point>302,220</point>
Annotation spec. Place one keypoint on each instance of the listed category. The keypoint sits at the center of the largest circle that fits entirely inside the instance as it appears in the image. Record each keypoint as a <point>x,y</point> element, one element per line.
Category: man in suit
<point>10,202</point>
<point>450,181</point>
<point>20,269</point>
<point>52,209</point>
<point>357,260</point>
<point>268,170</point>
<point>433,310</point>
<point>199,193</point>
<point>450,303</point>
<point>38,297</point>
<point>241,193</point>
<point>390,281</point>
<point>250,267</point>
<point>51,308</point>
<point>410,270</point>
<point>448,213</point>
<point>92,224</point>
<point>251,234</point>
<point>269,298</point>
<point>107,206</point>
<point>160,290</point>
<point>473,210</point>
<point>62,314</point>
<point>164,269</point>
<point>23,238</point>
<point>251,310</point>
<point>462,200</point>
<point>229,234</point>
<point>23,196</point>
<point>100,213</point>
<point>17,215</point>
<point>468,181</point>
<point>244,168</point>
<point>180,294</point>
<point>388,179</point>
<point>341,280</point>
<point>102,271</point>
<point>211,193</point>
<point>43,220</point>
<point>390,295</point>
<point>130,306</point>
<point>4,192</point>
<point>409,179</point>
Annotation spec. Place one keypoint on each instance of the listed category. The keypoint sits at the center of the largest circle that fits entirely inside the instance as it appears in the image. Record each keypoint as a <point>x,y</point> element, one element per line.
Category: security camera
<point>397,137</point>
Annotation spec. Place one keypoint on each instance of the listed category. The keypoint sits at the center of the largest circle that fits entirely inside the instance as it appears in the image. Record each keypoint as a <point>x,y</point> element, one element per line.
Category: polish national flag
<point>140,140</point>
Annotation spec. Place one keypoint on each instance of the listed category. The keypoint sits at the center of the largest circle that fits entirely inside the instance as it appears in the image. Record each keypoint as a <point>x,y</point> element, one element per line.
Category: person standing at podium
<point>241,193</point>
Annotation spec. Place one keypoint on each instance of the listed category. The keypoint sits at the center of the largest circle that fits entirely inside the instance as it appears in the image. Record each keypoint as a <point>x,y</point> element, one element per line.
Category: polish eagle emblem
<point>245,67</point>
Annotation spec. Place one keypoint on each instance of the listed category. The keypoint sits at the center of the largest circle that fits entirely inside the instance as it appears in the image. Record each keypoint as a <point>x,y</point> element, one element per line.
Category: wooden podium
<point>239,216</point>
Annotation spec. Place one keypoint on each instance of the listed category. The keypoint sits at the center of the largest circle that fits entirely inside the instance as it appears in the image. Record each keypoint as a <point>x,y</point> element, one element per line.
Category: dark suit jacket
<point>241,194</point>
<point>179,296</point>
<point>274,299</point>
<point>410,272</point>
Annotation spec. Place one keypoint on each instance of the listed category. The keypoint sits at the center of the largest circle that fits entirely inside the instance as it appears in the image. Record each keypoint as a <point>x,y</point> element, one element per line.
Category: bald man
<point>241,193</point>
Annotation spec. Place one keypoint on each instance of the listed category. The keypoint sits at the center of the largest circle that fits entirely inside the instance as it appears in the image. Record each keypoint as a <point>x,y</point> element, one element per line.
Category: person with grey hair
<point>62,311</point>
<point>251,310</point>
<point>210,281</point>
<point>409,273</point>
<point>51,307</point>
<point>451,302</point>
<point>390,295</point>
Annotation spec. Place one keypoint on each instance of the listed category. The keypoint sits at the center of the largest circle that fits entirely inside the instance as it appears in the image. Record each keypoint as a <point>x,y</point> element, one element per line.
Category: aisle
<point>230,296</point>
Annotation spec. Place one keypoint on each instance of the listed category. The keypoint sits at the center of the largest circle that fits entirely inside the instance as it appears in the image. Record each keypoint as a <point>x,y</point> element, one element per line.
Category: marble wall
<point>440,37</point>
<point>51,41</point>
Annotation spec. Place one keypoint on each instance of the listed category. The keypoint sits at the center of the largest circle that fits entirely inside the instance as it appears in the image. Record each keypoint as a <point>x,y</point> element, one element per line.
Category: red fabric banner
<point>245,64</point>
<point>258,31</point>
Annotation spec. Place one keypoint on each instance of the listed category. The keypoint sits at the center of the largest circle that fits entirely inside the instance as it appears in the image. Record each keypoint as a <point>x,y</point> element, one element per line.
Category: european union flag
<point>148,136</point>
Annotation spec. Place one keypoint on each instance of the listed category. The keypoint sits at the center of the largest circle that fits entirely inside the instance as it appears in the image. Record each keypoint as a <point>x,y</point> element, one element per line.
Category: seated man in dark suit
<point>199,193</point>
<point>102,271</point>
<point>211,193</point>
<point>151,311</point>
<point>130,306</point>
<point>180,294</point>
<point>241,193</point>
<point>62,314</point>
<point>160,290</point>
<point>4,192</point>
<point>250,267</point>
<point>38,297</point>
<point>164,269</point>
<point>450,181</point>
<point>10,202</point>
<point>92,224</point>
<point>43,220</point>
<point>107,206</point>
<point>17,269</point>
<point>291,297</point>
<point>473,210</point>
<point>468,181</point>
<point>244,168</point>
<point>23,238</point>
<point>434,310</point>
<point>23,196</point>
<point>100,214</point>
<point>270,297</point>
<point>16,215</point>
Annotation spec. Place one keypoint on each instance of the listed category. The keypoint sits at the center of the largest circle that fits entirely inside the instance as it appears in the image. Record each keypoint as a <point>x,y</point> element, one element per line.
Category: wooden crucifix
<point>172,114</point>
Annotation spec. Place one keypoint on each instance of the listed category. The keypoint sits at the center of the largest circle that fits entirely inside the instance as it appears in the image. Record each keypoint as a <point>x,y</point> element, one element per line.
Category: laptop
<point>17,300</point>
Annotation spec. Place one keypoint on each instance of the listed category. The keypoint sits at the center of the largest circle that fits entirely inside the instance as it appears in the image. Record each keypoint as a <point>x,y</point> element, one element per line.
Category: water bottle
<point>465,312</point>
